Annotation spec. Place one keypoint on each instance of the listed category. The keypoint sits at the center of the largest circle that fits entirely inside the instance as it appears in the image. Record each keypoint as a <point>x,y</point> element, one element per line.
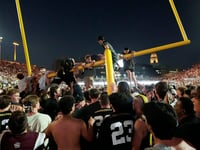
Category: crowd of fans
<point>189,76</point>
<point>9,70</point>
<point>42,113</point>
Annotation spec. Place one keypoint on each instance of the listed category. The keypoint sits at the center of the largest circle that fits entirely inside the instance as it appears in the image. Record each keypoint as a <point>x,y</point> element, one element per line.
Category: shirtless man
<point>66,131</point>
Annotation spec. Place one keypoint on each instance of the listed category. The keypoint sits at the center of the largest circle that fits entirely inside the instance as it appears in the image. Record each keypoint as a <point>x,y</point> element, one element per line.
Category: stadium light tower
<point>1,38</point>
<point>15,44</point>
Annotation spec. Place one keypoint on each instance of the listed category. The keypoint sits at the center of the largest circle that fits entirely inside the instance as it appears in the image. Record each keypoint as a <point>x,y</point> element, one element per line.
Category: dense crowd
<point>186,77</point>
<point>191,76</point>
<point>9,70</point>
<point>42,113</point>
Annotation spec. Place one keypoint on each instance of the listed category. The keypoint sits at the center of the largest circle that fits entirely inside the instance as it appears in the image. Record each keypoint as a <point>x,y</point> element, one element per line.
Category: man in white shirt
<point>37,122</point>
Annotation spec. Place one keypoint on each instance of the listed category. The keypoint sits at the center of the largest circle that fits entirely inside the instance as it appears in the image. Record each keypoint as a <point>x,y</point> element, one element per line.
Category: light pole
<point>1,38</point>
<point>15,44</point>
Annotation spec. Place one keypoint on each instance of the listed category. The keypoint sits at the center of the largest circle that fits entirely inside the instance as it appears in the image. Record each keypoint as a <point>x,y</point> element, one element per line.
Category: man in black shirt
<point>5,112</point>
<point>117,130</point>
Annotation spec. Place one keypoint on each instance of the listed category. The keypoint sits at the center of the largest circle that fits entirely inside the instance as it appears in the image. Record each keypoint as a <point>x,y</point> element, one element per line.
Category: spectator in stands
<point>35,89</point>
<point>185,77</point>
<point>22,84</point>
<point>43,82</point>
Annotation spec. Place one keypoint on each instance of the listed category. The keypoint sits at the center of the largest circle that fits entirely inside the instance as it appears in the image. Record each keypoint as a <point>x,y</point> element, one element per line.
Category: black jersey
<point>86,112</point>
<point>99,117</point>
<point>4,118</point>
<point>116,132</point>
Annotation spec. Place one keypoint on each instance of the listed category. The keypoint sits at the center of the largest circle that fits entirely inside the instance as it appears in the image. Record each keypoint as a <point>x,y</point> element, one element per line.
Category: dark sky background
<point>63,28</point>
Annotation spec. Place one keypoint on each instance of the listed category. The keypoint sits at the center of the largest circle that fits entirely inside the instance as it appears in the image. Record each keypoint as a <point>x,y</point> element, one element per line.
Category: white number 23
<point>119,136</point>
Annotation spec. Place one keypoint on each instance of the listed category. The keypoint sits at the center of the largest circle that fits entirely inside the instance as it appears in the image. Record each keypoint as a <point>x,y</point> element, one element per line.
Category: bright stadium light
<point>1,38</point>
<point>15,44</point>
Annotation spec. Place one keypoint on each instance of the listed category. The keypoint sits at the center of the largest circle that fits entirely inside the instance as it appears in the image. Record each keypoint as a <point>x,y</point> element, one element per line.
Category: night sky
<point>62,28</point>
